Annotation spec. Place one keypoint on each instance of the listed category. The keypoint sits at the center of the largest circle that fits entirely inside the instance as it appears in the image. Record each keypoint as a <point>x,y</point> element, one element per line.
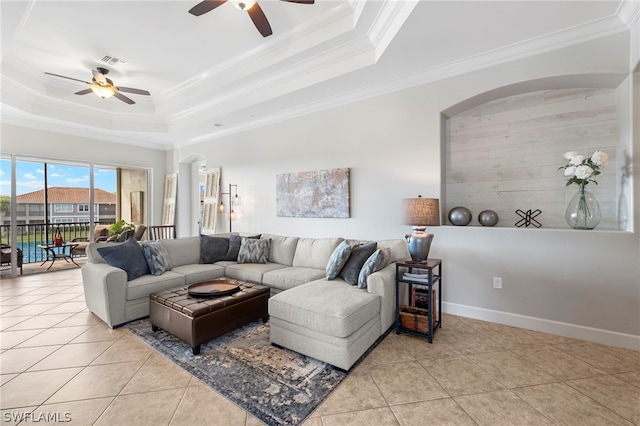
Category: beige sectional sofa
<point>329,320</point>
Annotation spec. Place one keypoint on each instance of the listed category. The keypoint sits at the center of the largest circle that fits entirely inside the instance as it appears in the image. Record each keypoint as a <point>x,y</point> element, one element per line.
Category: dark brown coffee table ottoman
<point>196,320</point>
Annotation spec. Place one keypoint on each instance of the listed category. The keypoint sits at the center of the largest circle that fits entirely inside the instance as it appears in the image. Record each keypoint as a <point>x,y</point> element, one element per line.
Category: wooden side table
<point>420,275</point>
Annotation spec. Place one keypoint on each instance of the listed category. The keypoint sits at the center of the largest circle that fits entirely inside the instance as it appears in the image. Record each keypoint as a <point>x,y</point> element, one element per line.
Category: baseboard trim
<point>595,335</point>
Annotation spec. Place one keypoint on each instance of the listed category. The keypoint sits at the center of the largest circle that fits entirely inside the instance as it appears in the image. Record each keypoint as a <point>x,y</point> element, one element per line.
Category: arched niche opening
<point>504,148</point>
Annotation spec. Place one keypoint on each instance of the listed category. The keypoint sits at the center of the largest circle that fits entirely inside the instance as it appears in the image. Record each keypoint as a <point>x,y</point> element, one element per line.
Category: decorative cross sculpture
<point>528,218</point>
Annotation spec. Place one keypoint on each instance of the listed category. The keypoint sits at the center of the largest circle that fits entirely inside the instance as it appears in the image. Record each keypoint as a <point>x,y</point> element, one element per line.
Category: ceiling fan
<point>251,6</point>
<point>104,87</point>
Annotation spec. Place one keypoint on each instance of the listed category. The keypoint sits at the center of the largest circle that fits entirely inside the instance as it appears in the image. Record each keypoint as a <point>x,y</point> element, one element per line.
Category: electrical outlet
<point>497,282</point>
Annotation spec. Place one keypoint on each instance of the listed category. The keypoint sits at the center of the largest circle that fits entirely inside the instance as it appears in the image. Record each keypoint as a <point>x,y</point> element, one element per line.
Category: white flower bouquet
<point>581,170</point>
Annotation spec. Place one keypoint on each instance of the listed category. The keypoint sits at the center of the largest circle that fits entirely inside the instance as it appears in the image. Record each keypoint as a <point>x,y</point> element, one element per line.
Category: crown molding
<point>597,29</point>
<point>629,12</point>
<point>66,128</point>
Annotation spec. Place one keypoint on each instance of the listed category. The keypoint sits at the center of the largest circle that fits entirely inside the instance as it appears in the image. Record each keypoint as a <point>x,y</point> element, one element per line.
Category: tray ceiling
<point>215,74</point>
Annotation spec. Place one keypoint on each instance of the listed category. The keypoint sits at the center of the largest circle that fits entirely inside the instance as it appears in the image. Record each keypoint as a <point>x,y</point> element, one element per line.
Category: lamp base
<point>419,243</point>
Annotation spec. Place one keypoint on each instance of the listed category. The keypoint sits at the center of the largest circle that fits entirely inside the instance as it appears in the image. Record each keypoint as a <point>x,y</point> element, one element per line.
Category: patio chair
<point>6,256</point>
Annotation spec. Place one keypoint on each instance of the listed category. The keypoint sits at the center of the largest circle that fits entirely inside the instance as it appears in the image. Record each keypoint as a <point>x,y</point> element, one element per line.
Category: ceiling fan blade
<point>300,1</point>
<point>132,90</point>
<point>260,20</point>
<point>68,78</point>
<point>99,77</point>
<point>84,92</point>
<point>206,6</point>
<point>123,98</point>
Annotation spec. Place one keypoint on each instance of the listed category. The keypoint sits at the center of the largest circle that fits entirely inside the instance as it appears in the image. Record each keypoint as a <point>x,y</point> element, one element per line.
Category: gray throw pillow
<point>234,246</point>
<point>338,259</point>
<point>156,256</point>
<point>378,260</point>
<point>359,255</point>
<point>254,251</point>
<point>213,249</point>
<point>126,256</point>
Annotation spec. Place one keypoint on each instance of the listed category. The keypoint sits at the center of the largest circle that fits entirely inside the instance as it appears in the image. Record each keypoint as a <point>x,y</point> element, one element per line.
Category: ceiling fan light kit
<point>103,92</point>
<point>103,87</point>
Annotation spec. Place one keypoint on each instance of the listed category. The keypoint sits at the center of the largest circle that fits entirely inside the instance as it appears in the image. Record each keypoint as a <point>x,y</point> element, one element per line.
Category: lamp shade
<point>421,211</point>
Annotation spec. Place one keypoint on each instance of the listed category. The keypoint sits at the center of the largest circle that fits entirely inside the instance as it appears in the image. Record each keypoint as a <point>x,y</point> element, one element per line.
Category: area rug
<point>276,385</point>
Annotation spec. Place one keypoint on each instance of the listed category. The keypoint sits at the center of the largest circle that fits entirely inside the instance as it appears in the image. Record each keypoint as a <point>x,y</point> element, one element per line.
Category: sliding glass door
<point>53,198</point>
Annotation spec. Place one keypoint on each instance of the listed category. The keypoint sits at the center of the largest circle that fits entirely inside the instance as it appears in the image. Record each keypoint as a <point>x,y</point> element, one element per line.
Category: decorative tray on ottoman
<point>217,287</point>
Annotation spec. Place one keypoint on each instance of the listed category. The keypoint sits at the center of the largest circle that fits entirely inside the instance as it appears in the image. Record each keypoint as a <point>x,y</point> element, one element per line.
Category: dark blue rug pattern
<point>278,386</point>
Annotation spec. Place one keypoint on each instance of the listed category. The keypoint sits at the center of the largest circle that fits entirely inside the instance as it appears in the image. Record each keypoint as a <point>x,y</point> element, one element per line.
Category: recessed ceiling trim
<point>629,13</point>
<point>390,19</point>
<point>315,30</point>
<point>605,27</point>
<point>351,56</point>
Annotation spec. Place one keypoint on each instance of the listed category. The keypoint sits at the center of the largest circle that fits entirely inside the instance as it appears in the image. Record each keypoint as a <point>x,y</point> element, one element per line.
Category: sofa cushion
<point>378,260</point>
<point>182,251</point>
<point>338,259</point>
<point>156,256</point>
<point>329,307</point>
<point>250,271</point>
<point>143,286</point>
<point>213,249</point>
<point>286,278</point>
<point>199,272</point>
<point>315,252</point>
<point>254,251</point>
<point>359,255</point>
<point>282,249</point>
<point>126,256</point>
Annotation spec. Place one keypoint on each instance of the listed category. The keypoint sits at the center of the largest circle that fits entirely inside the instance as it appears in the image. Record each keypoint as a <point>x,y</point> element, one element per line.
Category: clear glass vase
<point>583,211</point>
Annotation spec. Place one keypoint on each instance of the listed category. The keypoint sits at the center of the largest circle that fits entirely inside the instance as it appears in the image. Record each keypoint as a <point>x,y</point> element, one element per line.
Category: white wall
<point>579,283</point>
<point>54,146</point>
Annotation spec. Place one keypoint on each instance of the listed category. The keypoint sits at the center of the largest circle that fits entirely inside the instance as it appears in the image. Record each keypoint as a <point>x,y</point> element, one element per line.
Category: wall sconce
<point>233,201</point>
<point>420,213</point>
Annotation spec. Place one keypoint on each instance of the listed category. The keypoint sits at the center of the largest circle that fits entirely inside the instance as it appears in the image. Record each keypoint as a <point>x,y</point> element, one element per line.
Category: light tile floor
<point>57,359</point>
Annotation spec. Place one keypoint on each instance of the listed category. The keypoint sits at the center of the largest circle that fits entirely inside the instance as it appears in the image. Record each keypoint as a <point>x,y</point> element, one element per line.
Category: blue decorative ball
<point>459,216</point>
<point>488,218</point>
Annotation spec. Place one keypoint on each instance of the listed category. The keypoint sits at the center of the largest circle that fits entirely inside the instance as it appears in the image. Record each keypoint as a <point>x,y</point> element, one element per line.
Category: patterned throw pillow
<point>126,256</point>
<point>157,257</point>
<point>338,259</point>
<point>254,251</point>
<point>359,255</point>
<point>234,246</point>
<point>378,260</point>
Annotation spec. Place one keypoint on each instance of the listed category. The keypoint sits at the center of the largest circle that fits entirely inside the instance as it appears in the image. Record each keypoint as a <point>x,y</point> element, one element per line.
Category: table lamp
<point>420,213</point>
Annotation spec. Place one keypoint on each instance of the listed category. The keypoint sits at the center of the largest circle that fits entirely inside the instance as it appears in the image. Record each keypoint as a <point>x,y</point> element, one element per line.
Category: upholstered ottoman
<point>328,320</point>
<point>196,320</point>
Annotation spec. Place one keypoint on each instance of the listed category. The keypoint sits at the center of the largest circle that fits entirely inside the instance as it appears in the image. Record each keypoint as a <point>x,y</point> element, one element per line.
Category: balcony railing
<point>29,236</point>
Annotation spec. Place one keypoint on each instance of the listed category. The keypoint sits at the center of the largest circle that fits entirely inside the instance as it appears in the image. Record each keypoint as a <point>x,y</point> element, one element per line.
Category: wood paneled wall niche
<point>504,155</point>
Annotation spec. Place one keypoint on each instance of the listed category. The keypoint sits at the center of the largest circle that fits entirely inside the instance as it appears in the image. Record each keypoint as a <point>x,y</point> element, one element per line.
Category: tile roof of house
<point>58,194</point>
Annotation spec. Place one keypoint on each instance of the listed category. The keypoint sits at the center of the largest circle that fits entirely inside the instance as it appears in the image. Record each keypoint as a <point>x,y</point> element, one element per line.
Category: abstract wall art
<point>321,193</point>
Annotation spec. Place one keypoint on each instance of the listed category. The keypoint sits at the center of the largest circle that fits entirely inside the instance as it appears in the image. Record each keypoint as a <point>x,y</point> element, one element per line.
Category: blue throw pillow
<point>378,260</point>
<point>126,256</point>
<point>157,257</point>
<point>338,259</point>
<point>359,255</point>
